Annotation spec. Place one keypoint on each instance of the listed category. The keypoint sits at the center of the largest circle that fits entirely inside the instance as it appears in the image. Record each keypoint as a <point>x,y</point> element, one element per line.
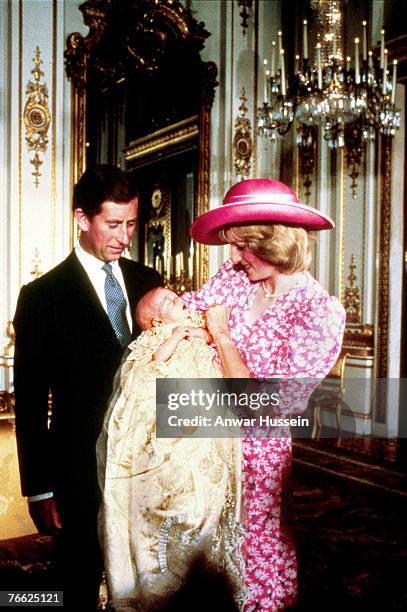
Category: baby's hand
<point>164,352</point>
<point>181,332</point>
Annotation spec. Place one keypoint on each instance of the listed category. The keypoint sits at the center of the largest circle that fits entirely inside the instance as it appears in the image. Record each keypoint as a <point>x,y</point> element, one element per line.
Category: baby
<point>165,501</point>
<point>163,307</point>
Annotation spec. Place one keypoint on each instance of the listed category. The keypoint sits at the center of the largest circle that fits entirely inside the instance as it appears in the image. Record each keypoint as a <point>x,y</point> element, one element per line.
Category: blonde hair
<point>288,248</point>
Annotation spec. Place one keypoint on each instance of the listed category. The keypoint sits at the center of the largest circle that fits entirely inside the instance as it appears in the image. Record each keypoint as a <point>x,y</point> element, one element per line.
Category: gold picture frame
<point>172,16</point>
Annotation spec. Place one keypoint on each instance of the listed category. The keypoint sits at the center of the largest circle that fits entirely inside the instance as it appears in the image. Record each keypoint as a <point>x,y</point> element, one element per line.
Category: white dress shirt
<point>97,276</point>
<point>93,268</point>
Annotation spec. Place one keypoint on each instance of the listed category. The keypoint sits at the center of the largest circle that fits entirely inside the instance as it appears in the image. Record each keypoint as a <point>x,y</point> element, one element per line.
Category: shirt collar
<point>90,262</point>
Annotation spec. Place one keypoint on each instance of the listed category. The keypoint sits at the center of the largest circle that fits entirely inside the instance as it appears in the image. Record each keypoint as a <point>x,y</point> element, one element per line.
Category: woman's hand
<point>200,332</point>
<point>217,318</point>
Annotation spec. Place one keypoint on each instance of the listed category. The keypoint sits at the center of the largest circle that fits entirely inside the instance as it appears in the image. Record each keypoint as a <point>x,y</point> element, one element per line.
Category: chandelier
<point>350,99</point>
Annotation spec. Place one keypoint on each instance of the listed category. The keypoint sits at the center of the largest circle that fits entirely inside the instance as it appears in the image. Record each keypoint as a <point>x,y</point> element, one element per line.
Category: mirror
<point>131,108</point>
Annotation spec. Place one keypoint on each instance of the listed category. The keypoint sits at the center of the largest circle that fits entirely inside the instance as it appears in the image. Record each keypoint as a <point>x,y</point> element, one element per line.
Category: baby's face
<point>169,307</point>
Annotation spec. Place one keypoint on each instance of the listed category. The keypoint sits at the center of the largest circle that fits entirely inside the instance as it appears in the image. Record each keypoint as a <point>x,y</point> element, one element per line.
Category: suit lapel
<point>86,299</point>
<point>131,286</point>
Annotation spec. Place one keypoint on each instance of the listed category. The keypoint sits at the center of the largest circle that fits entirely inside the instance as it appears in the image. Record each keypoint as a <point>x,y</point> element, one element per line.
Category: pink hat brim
<point>205,228</point>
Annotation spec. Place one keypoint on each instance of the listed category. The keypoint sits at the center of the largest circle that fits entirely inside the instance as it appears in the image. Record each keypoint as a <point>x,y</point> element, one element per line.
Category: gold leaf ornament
<point>37,117</point>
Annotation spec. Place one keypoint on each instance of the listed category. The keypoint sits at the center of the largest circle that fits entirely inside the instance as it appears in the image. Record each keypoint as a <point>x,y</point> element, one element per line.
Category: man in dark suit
<point>72,326</point>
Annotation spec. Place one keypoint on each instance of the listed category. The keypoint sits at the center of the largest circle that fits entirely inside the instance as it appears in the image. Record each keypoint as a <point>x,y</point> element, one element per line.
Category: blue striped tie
<point>116,306</point>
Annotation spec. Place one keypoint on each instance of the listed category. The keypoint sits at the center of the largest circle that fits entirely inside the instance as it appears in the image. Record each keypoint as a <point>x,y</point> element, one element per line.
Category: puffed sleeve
<point>217,290</point>
<point>313,348</point>
<point>316,337</point>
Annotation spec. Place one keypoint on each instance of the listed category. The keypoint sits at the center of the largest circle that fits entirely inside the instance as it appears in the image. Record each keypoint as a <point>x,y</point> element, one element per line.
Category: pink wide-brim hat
<point>257,202</point>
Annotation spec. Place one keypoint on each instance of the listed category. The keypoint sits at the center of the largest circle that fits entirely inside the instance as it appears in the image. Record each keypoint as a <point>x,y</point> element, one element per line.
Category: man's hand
<point>45,516</point>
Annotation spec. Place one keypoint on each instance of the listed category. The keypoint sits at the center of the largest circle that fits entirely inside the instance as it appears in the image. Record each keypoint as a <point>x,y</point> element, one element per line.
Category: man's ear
<point>81,219</point>
<point>155,322</point>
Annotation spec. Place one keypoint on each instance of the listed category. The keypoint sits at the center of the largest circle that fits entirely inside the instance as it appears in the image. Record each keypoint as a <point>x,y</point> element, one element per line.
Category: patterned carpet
<point>349,518</point>
<point>25,563</point>
<point>350,511</point>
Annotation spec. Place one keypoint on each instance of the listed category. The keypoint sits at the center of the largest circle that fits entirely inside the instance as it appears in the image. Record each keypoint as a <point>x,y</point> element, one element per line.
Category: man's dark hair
<point>100,184</point>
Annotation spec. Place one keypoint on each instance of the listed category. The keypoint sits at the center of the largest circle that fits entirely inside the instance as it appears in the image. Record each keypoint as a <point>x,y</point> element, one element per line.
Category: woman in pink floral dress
<point>269,318</point>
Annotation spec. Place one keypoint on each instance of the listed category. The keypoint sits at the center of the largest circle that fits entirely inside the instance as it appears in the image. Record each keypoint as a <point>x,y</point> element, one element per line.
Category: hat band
<point>267,198</point>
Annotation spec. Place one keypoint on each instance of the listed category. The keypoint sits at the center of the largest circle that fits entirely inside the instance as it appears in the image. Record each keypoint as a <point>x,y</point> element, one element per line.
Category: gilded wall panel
<point>36,150</point>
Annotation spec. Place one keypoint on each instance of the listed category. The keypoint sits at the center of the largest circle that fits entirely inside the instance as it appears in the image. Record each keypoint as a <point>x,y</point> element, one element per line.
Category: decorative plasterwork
<point>242,142</point>
<point>37,117</point>
<point>351,300</point>
<point>359,337</point>
<point>36,261</point>
<point>245,6</point>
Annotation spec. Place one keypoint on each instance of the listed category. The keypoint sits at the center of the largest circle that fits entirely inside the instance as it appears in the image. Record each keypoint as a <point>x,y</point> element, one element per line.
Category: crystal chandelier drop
<point>349,99</point>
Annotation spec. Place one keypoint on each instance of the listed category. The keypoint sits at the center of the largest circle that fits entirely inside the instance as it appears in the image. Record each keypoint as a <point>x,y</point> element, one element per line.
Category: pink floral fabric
<point>298,336</point>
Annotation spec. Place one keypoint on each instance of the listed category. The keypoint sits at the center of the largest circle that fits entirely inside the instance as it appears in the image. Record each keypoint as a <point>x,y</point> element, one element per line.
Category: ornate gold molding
<point>351,301</point>
<point>201,252</point>
<point>76,59</point>
<point>359,340</point>
<point>37,117</point>
<point>384,261</point>
<point>79,47</point>
<point>162,21</point>
<point>242,142</point>
<point>160,224</point>
<point>161,139</point>
<point>383,276</point>
<point>36,262</point>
